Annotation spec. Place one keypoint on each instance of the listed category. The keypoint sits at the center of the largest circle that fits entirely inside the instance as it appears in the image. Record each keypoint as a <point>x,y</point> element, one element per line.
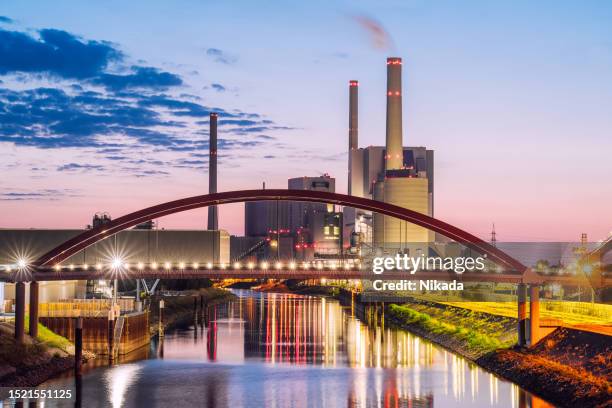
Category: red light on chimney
<point>397,93</point>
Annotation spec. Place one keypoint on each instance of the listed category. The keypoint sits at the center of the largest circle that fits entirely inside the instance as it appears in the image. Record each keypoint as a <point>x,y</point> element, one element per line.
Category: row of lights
<point>119,264</point>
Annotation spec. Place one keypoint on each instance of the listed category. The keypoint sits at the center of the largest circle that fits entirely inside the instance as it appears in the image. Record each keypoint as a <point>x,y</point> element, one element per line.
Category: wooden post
<point>19,312</point>
<point>111,333</point>
<point>521,292</point>
<point>33,309</point>
<point>161,318</point>
<point>78,346</point>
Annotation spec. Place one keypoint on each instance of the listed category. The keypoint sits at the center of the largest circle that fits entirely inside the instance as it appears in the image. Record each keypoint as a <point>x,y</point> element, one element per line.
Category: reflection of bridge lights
<point>154,265</point>
<point>167,265</point>
<point>209,265</point>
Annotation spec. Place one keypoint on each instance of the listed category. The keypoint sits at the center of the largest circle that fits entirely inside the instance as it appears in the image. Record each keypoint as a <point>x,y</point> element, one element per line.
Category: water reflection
<point>278,350</point>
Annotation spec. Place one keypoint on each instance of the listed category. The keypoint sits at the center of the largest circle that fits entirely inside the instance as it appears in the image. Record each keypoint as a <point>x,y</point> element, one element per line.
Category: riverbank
<point>35,361</point>
<point>179,310</point>
<point>569,367</point>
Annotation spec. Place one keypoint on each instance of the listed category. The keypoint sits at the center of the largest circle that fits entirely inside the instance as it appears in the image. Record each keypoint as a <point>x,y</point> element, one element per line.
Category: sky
<point>104,105</point>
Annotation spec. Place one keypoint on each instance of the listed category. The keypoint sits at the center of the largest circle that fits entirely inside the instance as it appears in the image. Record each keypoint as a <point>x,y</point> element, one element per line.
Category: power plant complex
<point>391,173</point>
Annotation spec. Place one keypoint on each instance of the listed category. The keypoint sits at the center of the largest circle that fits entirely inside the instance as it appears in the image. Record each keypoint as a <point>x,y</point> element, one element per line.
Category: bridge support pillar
<point>521,292</point>
<point>534,314</point>
<point>19,312</point>
<point>33,309</point>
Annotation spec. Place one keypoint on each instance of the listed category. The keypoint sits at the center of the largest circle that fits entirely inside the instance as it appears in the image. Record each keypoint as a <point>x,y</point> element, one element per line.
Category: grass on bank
<point>479,335</point>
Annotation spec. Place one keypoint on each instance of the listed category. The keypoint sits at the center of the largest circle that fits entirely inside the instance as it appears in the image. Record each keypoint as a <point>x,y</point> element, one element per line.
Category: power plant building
<point>398,175</point>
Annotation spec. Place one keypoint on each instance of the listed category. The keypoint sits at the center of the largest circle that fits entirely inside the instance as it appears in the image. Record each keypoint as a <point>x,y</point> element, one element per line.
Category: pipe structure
<point>213,211</point>
<point>394,158</point>
<point>20,312</point>
<point>33,309</point>
<point>521,292</point>
<point>534,314</point>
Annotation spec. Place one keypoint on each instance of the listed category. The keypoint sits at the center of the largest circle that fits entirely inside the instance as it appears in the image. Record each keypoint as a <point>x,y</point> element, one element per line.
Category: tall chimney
<point>213,212</point>
<point>353,128</point>
<point>394,157</point>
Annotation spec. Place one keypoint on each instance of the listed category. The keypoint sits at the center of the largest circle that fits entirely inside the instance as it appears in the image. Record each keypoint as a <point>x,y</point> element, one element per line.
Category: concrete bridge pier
<point>19,312</point>
<point>534,314</point>
<point>33,309</point>
<point>521,292</point>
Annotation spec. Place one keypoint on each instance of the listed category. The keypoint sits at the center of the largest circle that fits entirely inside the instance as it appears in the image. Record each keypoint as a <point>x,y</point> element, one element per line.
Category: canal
<point>284,350</point>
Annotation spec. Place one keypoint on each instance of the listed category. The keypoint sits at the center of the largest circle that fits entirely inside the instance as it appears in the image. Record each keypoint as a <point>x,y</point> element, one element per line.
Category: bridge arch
<point>90,237</point>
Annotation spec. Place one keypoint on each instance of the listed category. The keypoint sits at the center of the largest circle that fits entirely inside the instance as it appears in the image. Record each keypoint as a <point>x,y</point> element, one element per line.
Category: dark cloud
<point>55,52</point>
<point>80,167</point>
<point>43,194</point>
<point>142,77</point>
<point>64,55</point>
<point>218,87</point>
<point>221,56</point>
<point>4,19</point>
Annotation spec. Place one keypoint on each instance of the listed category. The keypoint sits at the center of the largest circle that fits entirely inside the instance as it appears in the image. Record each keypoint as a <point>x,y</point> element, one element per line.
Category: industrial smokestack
<point>213,214</point>
<point>394,157</point>
<point>353,128</point>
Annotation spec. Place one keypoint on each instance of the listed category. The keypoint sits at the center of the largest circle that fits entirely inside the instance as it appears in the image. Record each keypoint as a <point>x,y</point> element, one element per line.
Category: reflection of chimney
<point>213,214</point>
<point>353,128</point>
<point>394,157</point>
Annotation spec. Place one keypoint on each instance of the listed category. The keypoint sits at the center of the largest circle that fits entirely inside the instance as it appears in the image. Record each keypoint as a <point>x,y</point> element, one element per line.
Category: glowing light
<point>237,265</point>
<point>140,266</point>
<point>196,265</point>
<point>209,265</point>
<point>181,265</point>
<point>223,265</point>
<point>116,263</point>
<point>57,268</point>
<point>98,266</point>
<point>8,268</point>
<point>71,267</point>
<point>292,265</point>
<point>279,265</point>
<point>264,265</point>
<point>250,265</point>
<point>305,265</point>
<point>22,263</point>
<point>154,265</point>
<point>85,266</point>
<point>167,265</point>
<point>347,266</point>
<point>126,265</point>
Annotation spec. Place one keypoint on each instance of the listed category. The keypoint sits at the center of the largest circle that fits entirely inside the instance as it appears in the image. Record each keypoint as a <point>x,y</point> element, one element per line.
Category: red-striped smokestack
<point>353,127</point>
<point>213,214</point>
<point>394,158</point>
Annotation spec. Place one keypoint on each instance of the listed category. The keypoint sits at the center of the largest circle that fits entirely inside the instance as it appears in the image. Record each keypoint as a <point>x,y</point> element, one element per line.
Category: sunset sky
<point>104,105</point>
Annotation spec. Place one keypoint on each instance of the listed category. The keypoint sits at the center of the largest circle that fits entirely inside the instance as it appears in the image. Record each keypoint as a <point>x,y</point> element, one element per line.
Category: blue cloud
<point>221,56</point>
<point>4,19</point>
<point>80,167</point>
<point>143,77</point>
<point>55,52</point>
<point>218,87</point>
